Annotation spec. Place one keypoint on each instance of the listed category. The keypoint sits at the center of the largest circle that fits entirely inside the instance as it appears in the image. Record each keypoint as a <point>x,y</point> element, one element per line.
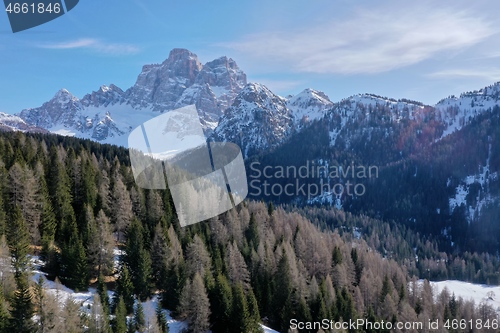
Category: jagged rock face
<point>109,112</point>
<point>226,81</point>
<point>257,120</point>
<point>104,96</point>
<point>62,109</point>
<point>162,85</point>
<point>182,80</point>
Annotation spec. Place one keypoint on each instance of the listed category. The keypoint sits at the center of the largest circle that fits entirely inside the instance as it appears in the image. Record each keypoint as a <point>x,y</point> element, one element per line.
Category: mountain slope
<point>108,114</point>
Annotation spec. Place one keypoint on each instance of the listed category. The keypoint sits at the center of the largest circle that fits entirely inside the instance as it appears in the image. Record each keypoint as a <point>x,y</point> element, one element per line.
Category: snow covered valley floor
<point>479,293</point>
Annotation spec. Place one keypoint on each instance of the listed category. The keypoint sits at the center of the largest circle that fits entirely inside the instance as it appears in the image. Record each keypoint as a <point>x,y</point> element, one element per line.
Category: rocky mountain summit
<point>108,114</point>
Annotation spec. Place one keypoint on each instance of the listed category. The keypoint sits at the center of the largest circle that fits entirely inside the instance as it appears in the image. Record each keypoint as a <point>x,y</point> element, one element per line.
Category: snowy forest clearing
<point>85,299</point>
<point>479,293</point>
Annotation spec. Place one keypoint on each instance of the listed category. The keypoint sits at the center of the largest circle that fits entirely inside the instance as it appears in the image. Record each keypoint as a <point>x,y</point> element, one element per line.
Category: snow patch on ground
<point>86,299</point>
<point>483,198</point>
<point>470,291</point>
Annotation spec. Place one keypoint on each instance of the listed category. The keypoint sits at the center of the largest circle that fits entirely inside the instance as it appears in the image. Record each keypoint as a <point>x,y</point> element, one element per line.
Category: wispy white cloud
<point>95,45</point>
<point>487,74</point>
<point>371,41</point>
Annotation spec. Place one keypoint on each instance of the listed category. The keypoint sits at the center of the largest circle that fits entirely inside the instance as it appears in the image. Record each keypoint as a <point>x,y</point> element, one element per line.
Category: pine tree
<point>138,260</point>
<point>23,189</point>
<point>74,266</point>
<point>254,314</point>
<point>19,243</point>
<point>60,193</point>
<point>282,293</point>
<point>172,286</point>
<point>120,322</point>
<point>240,315</point>
<point>161,319</point>
<point>252,232</point>
<point>139,317</point>
<point>22,311</point>
<point>270,208</point>
<point>102,291</point>
<point>143,275</point>
<point>221,301</point>
<point>125,289</point>
<point>4,315</point>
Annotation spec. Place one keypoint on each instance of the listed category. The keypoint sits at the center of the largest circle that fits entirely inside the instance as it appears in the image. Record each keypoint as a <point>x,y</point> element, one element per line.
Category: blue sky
<point>422,50</point>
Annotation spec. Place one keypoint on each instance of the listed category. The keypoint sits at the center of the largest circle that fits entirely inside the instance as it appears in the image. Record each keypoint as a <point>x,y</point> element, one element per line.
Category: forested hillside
<point>74,202</point>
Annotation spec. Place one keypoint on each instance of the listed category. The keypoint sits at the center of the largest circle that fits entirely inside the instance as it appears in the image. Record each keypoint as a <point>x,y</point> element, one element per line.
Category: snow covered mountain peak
<point>63,96</point>
<point>10,122</point>
<point>308,105</point>
<point>257,120</point>
<point>109,113</point>
<point>457,112</point>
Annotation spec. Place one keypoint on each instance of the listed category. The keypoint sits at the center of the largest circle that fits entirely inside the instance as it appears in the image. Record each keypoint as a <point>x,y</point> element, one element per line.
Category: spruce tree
<point>102,291</point>
<point>4,314</point>
<point>125,289</point>
<point>120,321</point>
<point>138,260</point>
<point>22,311</point>
<point>143,275</point>
<point>161,319</point>
<point>139,317</point>
<point>74,266</point>
<point>240,315</point>
<point>254,314</point>
<point>221,300</point>
<point>19,243</point>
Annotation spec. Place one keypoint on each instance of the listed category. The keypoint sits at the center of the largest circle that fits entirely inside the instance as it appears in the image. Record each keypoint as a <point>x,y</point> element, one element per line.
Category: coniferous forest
<point>74,203</point>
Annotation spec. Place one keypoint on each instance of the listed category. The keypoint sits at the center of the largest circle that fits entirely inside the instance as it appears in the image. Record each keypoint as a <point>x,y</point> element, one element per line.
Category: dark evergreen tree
<point>221,303</point>
<point>139,317</point>
<point>102,290</point>
<point>240,318</point>
<point>124,289</point>
<point>120,321</point>
<point>138,260</point>
<point>74,269</point>
<point>19,243</point>
<point>4,315</point>
<point>162,320</point>
<point>21,312</point>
